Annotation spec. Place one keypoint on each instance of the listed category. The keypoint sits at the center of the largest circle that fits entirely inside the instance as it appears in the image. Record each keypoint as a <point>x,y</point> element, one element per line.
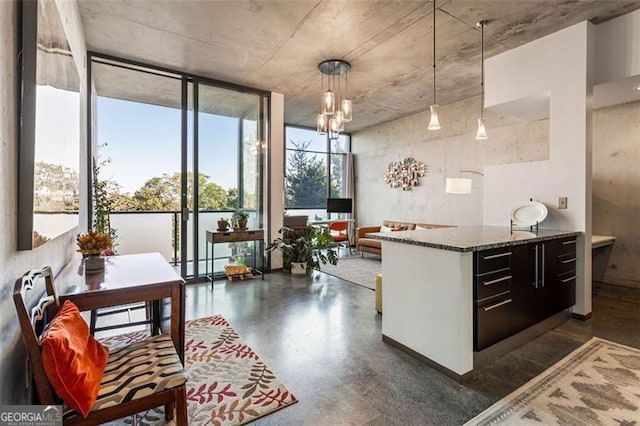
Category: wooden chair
<point>340,234</point>
<point>128,392</point>
<point>297,223</point>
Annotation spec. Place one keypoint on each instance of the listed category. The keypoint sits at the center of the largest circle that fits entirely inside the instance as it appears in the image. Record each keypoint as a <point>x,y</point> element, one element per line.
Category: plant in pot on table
<point>91,244</point>
<point>223,224</point>
<point>241,216</point>
<point>304,250</point>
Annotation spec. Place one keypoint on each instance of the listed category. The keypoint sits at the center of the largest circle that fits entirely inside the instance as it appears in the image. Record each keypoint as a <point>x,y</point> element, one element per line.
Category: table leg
<point>156,317</point>
<point>177,318</point>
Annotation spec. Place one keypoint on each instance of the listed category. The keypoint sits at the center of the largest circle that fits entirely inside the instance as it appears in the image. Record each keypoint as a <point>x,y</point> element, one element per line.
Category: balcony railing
<point>159,231</point>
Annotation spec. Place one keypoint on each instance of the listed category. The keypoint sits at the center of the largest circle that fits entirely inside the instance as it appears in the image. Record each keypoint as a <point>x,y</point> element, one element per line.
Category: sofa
<point>374,246</point>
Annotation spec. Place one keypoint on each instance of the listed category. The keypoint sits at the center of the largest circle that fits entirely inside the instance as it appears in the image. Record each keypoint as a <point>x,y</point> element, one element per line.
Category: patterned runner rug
<point>597,384</point>
<point>356,269</point>
<point>228,383</point>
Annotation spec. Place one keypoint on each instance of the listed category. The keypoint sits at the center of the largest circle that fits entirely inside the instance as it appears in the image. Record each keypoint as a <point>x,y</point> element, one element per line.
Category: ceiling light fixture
<point>336,105</point>
<point>434,122</point>
<point>482,131</point>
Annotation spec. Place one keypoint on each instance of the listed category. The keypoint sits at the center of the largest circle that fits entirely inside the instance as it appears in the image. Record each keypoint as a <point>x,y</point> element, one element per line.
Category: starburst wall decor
<point>405,174</point>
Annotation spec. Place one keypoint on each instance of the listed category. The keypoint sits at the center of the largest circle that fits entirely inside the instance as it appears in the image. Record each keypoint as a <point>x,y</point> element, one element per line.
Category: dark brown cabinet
<point>521,285</point>
<point>523,314</point>
<point>492,290</point>
<point>554,276</point>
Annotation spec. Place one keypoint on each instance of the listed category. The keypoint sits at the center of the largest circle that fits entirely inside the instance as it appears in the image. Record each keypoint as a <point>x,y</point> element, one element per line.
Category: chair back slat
<point>295,222</point>
<point>29,319</point>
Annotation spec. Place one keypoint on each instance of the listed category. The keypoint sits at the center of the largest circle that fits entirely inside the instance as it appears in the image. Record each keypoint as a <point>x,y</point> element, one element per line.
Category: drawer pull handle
<point>566,280</point>
<point>497,305</point>
<point>495,256</point>
<point>568,261</point>
<point>566,243</point>
<point>508,277</point>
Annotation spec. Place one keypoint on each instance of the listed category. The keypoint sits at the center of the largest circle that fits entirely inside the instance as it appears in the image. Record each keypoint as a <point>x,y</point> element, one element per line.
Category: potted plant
<point>241,216</point>
<point>304,250</point>
<point>91,244</point>
<point>223,224</point>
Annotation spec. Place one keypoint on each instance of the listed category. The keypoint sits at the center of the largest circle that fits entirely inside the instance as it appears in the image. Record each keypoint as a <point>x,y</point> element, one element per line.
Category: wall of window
<point>314,169</point>
<point>176,152</point>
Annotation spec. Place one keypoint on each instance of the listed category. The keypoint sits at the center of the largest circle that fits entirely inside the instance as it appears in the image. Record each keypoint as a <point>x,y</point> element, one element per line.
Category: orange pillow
<point>73,360</point>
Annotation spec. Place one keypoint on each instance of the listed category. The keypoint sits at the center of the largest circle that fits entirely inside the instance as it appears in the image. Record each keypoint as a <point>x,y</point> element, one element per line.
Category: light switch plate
<point>562,203</point>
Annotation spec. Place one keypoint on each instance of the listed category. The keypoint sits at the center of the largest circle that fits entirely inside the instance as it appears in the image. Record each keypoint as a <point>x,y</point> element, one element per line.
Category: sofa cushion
<point>403,226</point>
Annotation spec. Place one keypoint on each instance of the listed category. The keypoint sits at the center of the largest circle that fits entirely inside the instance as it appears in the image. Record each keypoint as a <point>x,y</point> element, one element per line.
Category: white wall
<point>275,193</point>
<point>558,65</point>
<point>55,253</point>
<point>445,152</point>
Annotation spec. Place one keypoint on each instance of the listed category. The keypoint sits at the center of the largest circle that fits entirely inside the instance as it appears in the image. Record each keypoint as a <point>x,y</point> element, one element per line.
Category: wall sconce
<point>405,174</point>
<point>460,185</point>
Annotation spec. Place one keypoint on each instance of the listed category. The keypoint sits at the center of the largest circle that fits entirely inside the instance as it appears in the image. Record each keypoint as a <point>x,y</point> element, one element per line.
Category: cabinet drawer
<point>491,284</point>
<point>493,321</point>
<point>493,260</point>
<point>567,264</point>
<point>566,293</point>
<point>567,246</point>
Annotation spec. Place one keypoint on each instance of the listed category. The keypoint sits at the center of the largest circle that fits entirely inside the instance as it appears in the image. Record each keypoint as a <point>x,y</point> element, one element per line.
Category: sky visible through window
<point>144,141</point>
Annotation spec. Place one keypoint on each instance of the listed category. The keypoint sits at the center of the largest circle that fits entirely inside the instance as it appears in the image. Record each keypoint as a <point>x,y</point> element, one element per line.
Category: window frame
<point>327,153</point>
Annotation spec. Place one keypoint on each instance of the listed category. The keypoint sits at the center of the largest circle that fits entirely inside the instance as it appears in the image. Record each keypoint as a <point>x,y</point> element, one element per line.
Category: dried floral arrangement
<point>93,242</point>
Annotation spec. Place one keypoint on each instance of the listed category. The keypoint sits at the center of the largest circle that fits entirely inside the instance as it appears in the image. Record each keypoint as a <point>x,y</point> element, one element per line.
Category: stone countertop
<point>470,238</point>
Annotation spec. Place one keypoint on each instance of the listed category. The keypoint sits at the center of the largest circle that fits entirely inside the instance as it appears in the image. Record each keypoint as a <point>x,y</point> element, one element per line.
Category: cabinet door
<point>523,287</point>
<point>546,292</point>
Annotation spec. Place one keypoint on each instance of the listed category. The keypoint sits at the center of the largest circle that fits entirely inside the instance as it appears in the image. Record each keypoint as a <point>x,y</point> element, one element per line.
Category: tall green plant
<point>103,204</point>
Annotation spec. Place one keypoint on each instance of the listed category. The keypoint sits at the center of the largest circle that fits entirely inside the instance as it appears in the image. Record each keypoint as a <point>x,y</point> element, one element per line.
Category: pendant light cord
<point>434,52</point>
<point>482,68</point>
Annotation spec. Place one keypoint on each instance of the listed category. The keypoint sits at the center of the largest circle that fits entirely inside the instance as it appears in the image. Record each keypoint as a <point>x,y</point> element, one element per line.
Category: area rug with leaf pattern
<point>597,384</point>
<point>228,383</point>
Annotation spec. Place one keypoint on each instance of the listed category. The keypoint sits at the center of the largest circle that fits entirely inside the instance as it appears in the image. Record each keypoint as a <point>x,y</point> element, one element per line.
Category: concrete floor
<point>321,336</point>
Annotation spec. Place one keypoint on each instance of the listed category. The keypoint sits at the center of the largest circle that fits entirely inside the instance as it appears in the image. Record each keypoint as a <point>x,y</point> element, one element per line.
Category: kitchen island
<point>450,292</point>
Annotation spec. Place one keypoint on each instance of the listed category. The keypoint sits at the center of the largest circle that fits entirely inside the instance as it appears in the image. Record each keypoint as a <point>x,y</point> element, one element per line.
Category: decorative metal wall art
<point>405,174</point>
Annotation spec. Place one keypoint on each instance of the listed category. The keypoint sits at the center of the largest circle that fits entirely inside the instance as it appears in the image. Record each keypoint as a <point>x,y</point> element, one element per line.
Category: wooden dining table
<point>126,279</point>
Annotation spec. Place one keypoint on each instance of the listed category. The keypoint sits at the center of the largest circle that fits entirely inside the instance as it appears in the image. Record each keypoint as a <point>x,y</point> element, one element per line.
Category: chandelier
<point>336,105</point>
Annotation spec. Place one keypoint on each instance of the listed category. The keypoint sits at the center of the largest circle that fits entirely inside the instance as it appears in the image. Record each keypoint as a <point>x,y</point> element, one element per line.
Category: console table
<point>215,237</point>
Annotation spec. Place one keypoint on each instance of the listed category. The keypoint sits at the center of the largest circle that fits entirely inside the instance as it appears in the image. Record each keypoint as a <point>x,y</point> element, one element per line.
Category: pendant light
<point>329,103</point>
<point>346,102</point>
<point>482,131</point>
<point>336,109</point>
<point>322,123</point>
<point>434,122</point>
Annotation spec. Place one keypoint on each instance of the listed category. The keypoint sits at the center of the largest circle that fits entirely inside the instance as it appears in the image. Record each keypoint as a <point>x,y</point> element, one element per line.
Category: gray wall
<point>444,152</point>
<point>616,193</point>
<point>616,177</point>
<point>13,263</point>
